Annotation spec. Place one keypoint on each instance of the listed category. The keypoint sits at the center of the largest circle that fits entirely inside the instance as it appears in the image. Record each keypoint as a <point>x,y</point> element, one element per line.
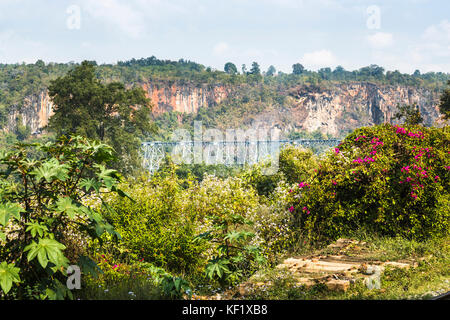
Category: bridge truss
<point>220,152</point>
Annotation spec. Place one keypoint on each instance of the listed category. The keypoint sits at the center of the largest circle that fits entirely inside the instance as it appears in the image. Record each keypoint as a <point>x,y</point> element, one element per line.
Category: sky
<point>402,35</point>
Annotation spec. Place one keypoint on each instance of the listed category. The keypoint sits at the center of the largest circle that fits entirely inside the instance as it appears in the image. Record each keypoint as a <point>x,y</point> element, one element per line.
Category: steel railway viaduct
<point>221,152</point>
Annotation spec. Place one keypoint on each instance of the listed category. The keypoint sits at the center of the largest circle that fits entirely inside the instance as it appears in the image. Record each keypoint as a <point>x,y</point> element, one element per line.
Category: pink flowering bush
<point>386,179</point>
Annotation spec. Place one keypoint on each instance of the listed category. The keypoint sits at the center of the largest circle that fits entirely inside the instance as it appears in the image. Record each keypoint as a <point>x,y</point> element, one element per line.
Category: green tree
<point>271,71</point>
<point>255,70</point>
<point>230,68</point>
<point>107,112</point>
<point>410,114</point>
<point>244,69</point>
<point>22,131</point>
<point>444,106</point>
<point>297,68</point>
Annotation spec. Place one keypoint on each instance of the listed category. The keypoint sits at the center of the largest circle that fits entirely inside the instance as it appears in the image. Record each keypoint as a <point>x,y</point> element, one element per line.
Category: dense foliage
<point>444,106</point>
<point>154,227</point>
<point>386,179</point>
<point>107,112</point>
<point>44,222</point>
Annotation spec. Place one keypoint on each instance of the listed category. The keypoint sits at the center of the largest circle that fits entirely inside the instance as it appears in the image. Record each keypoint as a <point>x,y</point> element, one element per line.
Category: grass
<point>431,275</point>
<point>117,286</point>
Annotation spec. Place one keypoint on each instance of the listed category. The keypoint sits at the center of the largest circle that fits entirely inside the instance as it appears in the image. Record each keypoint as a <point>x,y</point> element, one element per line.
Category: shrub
<point>386,179</point>
<point>273,224</point>
<point>264,184</point>
<point>296,163</point>
<point>42,213</point>
<point>227,208</point>
<point>153,226</point>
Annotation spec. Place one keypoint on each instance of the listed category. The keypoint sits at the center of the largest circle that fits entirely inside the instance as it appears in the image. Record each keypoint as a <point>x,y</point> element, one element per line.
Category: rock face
<point>333,110</point>
<point>34,112</point>
<point>346,106</point>
<point>183,98</point>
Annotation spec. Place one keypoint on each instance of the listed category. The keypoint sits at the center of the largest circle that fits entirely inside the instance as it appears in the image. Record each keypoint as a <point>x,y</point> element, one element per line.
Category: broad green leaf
<point>66,205</point>
<point>35,228</point>
<point>88,266</point>
<point>236,236</point>
<point>51,170</point>
<point>217,266</point>
<point>58,291</point>
<point>122,193</point>
<point>9,209</point>
<point>108,176</point>
<point>8,274</point>
<point>203,236</point>
<point>93,215</point>
<point>2,236</point>
<point>103,226</point>
<point>47,250</point>
<point>89,184</point>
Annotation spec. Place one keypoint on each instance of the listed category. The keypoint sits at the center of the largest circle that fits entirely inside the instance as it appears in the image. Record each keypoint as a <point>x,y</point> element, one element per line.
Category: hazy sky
<point>396,34</point>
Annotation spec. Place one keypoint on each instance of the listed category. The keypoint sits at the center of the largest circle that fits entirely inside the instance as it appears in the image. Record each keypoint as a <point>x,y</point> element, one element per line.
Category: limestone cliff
<point>185,98</point>
<point>344,107</point>
<point>336,109</point>
<point>34,111</point>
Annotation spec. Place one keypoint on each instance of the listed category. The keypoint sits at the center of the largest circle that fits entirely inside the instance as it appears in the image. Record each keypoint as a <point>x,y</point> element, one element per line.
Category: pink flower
<point>334,182</point>
<point>336,150</point>
<point>291,209</point>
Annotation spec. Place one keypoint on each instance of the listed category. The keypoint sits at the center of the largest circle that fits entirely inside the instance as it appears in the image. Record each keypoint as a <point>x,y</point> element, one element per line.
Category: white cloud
<point>430,51</point>
<point>380,40</point>
<point>438,33</point>
<point>128,19</point>
<point>317,59</point>
<point>436,40</point>
<point>221,49</point>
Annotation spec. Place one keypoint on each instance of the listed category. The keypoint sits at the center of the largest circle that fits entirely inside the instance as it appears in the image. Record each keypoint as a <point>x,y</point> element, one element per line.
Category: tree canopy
<point>444,106</point>
<point>106,112</point>
<point>230,68</point>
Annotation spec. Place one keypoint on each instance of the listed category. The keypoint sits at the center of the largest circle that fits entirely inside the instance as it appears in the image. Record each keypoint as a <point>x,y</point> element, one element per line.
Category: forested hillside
<point>327,101</point>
